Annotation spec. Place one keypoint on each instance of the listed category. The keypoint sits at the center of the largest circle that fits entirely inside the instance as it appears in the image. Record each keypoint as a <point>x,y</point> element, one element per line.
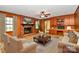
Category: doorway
<point>47,26</point>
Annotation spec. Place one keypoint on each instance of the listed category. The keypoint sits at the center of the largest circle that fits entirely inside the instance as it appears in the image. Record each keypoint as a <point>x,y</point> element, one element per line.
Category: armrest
<point>29,49</point>
<point>70,46</point>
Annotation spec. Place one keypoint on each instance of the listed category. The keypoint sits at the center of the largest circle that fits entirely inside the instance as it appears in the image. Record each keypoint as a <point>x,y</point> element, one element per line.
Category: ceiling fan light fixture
<point>42,16</point>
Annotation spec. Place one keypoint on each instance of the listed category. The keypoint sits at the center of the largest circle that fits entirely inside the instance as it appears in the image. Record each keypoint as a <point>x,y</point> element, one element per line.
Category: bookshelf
<point>60,24</point>
<point>57,28</point>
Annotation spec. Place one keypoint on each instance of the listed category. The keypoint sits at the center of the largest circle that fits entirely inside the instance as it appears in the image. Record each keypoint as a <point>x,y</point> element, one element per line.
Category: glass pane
<point>37,25</point>
<point>9,28</point>
<point>9,20</point>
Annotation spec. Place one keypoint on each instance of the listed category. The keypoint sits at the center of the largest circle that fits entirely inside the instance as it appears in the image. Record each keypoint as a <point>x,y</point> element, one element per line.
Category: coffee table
<point>42,39</point>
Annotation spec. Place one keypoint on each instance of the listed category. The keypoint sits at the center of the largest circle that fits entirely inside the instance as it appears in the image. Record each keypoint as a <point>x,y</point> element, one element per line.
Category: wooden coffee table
<point>42,39</point>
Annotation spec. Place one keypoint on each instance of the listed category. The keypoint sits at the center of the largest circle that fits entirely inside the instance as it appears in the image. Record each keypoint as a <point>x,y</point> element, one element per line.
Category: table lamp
<point>68,27</point>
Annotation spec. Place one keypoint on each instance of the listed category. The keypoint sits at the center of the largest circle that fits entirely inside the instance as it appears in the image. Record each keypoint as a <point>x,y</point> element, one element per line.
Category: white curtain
<point>37,25</point>
<point>15,26</point>
<point>2,24</point>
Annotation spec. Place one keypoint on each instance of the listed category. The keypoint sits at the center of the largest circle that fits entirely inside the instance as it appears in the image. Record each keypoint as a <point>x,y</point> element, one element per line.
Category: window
<point>37,25</point>
<point>9,24</point>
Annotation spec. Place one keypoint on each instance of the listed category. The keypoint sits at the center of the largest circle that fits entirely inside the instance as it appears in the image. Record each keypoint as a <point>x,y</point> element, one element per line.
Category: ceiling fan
<point>44,14</point>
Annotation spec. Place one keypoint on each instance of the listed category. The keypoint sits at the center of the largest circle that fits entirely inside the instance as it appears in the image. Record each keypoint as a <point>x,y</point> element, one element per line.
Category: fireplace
<point>28,30</point>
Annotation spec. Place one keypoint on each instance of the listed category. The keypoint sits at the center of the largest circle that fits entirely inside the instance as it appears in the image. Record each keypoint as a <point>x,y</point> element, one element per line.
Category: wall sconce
<point>68,27</point>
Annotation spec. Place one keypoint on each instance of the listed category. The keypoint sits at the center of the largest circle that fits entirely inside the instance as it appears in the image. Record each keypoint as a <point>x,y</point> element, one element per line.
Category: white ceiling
<point>34,10</point>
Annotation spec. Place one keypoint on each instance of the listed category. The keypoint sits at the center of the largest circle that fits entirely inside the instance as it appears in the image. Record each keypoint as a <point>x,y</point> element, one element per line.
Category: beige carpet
<point>51,47</point>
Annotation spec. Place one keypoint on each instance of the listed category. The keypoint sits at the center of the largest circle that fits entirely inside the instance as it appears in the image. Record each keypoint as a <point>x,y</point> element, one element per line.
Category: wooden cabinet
<point>53,32</point>
<point>56,32</point>
<point>60,32</point>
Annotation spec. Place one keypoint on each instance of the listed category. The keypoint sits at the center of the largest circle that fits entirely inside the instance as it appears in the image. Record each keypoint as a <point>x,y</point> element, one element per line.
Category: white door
<point>47,26</point>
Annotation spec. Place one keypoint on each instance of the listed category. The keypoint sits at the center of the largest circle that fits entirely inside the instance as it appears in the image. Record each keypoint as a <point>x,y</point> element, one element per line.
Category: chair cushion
<point>65,39</point>
<point>77,33</point>
<point>72,37</point>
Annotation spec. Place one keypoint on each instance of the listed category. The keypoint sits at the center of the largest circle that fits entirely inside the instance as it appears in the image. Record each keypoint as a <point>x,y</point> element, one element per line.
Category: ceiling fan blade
<point>48,14</point>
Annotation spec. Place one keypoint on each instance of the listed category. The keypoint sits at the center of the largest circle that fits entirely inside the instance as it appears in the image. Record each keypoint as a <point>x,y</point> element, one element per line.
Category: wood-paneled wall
<point>20,30</point>
<point>42,25</point>
<point>68,20</point>
<point>11,15</point>
<point>77,19</point>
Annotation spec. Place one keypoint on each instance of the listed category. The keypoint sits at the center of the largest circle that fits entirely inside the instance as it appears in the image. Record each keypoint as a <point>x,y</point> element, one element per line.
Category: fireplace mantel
<point>28,24</point>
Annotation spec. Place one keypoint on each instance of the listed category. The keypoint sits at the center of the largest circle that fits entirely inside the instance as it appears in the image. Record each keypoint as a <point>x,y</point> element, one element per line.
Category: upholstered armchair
<point>66,46</point>
<point>15,45</point>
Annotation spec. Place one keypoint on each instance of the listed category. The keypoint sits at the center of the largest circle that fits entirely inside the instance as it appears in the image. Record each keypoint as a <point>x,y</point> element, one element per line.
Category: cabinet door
<point>53,32</point>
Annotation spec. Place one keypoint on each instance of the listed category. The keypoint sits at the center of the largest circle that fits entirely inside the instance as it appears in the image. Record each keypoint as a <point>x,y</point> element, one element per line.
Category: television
<point>27,20</point>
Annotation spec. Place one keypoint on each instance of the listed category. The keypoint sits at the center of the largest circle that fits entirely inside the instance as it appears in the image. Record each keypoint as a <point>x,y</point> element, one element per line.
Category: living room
<point>39,29</point>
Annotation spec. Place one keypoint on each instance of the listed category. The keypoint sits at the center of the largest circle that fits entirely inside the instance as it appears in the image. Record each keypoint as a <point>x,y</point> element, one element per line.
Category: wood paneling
<point>33,28</point>
<point>77,19</point>
<point>18,25</point>
<point>20,30</point>
<point>68,21</point>
<point>42,25</point>
<point>53,21</point>
<point>53,32</point>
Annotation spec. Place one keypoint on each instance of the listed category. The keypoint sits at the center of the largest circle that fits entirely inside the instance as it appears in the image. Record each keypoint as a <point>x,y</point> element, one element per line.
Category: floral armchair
<point>69,44</point>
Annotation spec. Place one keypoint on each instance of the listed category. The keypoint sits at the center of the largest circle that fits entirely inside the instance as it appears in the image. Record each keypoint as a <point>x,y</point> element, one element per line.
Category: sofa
<point>16,45</point>
<point>69,44</point>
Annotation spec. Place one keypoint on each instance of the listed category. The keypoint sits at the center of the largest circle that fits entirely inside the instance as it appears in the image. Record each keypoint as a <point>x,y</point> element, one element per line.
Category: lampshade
<point>68,27</point>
